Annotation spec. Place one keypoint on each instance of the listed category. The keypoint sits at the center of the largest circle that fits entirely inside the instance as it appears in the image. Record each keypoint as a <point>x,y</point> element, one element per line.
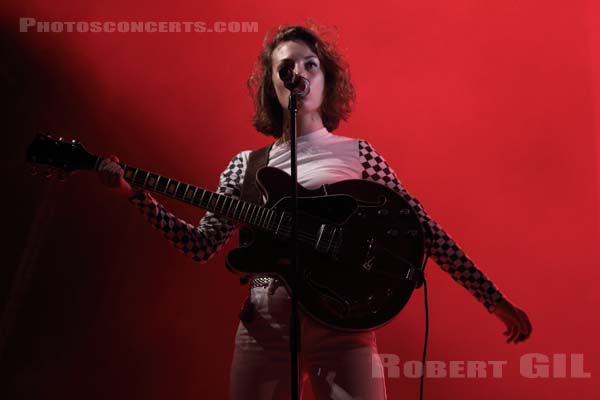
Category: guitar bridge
<point>369,259</point>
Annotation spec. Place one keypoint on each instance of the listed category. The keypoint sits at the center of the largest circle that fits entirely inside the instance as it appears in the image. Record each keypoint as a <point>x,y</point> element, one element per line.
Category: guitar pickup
<point>284,226</point>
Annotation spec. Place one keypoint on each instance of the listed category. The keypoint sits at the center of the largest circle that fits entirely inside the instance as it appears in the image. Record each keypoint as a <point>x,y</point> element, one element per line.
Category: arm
<point>198,242</point>
<point>446,252</point>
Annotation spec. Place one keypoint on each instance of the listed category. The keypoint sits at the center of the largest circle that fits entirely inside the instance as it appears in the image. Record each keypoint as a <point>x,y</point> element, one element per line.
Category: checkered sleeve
<point>444,250</point>
<point>198,242</point>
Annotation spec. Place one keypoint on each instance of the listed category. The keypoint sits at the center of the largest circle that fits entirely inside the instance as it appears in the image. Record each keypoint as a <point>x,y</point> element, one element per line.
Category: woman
<point>339,365</point>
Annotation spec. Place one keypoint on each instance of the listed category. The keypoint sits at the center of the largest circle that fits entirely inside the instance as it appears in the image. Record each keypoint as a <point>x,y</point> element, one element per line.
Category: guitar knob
<point>361,214</point>
<point>383,212</point>
<point>393,232</point>
<point>405,211</point>
<point>412,234</point>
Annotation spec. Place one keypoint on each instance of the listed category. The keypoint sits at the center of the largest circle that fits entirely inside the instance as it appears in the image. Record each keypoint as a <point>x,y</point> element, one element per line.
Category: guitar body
<point>358,241</point>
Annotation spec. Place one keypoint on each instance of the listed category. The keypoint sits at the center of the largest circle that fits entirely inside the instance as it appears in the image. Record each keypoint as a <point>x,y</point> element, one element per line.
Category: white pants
<point>339,365</point>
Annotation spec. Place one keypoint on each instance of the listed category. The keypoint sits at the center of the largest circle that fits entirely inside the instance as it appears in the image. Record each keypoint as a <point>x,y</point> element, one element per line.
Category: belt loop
<point>273,285</point>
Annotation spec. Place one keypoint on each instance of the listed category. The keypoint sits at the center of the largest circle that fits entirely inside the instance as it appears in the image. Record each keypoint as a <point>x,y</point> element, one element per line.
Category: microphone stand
<point>296,267</point>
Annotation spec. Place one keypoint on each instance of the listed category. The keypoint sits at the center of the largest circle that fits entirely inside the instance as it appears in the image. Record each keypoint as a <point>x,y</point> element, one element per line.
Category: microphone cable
<point>423,358</point>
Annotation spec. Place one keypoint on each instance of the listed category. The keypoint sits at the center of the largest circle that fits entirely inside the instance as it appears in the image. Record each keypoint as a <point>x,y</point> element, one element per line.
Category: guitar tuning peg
<point>60,139</point>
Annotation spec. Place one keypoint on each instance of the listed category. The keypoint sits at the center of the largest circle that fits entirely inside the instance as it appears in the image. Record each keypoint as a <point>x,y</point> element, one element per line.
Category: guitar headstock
<point>61,155</point>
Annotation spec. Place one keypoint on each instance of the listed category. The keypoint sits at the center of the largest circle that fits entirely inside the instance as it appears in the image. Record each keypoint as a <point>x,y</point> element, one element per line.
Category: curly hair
<point>338,96</point>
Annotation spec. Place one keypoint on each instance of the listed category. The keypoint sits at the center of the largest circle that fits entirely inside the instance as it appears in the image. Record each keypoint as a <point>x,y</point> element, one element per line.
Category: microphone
<point>297,84</point>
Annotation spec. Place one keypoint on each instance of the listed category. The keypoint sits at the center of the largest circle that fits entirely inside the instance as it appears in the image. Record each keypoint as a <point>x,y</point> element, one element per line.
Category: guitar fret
<point>147,175</point>
<point>195,200</point>
<point>223,205</point>
<point>172,187</point>
<point>237,205</point>
<point>161,184</point>
<point>279,223</point>
<point>242,216</point>
<point>247,215</point>
<point>134,179</point>
<point>249,210</point>
<point>271,213</point>
<point>211,202</point>
<point>181,189</point>
<point>258,216</point>
<point>151,181</point>
<point>202,198</point>
<point>208,201</point>
<point>189,193</point>
<point>262,216</point>
<point>235,202</point>
<point>226,207</point>
<point>243,211</point>
<point>140,177</point>
<point>231,200</point>
<point>217,204</point>
<point>128,173</point>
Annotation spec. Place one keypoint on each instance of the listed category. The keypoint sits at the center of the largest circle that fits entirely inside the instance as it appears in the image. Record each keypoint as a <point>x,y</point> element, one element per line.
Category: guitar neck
<point>226,206</point>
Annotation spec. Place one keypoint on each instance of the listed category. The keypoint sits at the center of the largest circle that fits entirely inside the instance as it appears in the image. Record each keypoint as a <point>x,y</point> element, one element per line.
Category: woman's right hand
<point>111,175</point>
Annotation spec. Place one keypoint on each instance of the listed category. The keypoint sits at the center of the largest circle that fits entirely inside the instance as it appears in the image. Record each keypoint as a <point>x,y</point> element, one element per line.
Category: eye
<point>311,65</point>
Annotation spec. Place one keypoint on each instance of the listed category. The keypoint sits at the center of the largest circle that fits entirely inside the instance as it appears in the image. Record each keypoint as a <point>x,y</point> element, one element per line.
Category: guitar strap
<point>250,191</point>
<point>257,159</point>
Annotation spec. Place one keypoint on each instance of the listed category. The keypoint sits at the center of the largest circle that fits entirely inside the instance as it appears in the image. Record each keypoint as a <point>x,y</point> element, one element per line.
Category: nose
<point>299,69</point>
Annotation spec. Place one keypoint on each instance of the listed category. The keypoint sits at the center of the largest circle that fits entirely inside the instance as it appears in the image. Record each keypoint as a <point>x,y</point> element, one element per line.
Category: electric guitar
<point>360,243</point>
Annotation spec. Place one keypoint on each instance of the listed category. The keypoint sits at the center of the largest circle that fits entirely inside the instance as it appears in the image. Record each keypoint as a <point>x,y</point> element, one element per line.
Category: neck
<point>305,123</point>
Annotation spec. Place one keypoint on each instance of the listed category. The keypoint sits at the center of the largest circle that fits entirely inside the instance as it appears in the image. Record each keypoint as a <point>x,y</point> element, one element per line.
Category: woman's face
<point>307,64</point>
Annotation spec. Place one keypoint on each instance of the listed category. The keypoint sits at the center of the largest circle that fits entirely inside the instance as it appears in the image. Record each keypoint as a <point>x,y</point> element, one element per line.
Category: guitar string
<point>312,239</point>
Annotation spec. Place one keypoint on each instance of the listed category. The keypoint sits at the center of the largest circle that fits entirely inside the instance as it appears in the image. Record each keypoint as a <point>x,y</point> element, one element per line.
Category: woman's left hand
<point>518,327</point>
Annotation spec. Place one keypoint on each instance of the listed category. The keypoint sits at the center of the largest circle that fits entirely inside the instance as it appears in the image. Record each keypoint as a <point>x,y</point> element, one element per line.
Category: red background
<point>488,111</point>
